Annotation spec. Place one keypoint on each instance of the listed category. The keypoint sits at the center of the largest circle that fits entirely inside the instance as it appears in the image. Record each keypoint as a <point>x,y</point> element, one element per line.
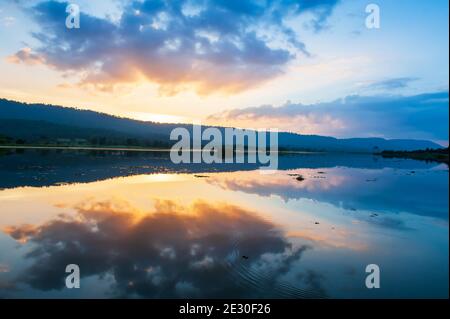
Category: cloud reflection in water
<point>173,251</point>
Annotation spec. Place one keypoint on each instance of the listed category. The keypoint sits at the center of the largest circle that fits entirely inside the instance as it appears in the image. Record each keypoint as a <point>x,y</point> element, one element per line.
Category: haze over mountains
<point>22,123</point>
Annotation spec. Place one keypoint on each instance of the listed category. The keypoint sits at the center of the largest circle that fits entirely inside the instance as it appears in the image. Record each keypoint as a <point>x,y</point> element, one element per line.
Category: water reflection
<point>204,250</point>
<point>304,237</point>
<point>388,190</point>
<point>44,167</point>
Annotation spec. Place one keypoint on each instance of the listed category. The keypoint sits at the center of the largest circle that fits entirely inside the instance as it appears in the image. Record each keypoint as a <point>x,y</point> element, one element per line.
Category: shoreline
<point>89,148</point>
<point>121,148</point>
<point>439,156</point>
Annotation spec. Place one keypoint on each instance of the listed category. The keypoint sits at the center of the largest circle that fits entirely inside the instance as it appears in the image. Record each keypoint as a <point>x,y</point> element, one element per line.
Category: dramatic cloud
<point>422,116</point>
<point>173,251</point>
<point>208,45</point>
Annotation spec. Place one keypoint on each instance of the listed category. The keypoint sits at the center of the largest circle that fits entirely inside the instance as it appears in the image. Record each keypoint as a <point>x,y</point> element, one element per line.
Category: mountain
<point>48,124</point>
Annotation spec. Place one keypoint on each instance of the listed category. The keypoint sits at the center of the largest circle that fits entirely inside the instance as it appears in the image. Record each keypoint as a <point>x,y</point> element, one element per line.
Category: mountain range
<point>22,123</point>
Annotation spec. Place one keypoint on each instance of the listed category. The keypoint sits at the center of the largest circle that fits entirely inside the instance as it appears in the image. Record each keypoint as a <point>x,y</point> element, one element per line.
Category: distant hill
<point>440,155</point>
<point>21,132</point>
<point>22,123</point>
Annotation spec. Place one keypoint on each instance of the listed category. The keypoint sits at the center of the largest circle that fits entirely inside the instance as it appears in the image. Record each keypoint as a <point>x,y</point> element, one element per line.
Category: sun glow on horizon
<point>158,118</point>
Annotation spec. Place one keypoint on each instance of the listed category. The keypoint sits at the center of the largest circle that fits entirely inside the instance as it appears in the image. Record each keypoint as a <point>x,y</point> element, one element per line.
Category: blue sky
<point>285,63</point>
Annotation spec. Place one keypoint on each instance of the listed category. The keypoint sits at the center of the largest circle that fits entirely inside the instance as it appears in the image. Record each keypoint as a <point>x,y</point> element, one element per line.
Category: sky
<point>311,67</point>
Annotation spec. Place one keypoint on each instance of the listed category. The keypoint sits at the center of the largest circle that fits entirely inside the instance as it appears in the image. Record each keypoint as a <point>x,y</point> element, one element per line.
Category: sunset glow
<point>147,65</point>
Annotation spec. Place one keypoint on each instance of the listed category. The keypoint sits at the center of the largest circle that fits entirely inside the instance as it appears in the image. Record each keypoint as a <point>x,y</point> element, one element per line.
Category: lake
<point>139,226</point>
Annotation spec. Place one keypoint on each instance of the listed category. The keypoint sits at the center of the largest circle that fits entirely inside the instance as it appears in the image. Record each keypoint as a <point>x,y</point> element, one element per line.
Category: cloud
<point>26,56</point>
<point>392,84</point>
<point>208,45</point>
<point>423,116</point>
<point>173,251</point>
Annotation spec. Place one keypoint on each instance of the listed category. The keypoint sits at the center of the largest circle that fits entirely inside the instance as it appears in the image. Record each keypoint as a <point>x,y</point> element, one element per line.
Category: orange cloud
<point>217,49</point>
<point>27,56</point>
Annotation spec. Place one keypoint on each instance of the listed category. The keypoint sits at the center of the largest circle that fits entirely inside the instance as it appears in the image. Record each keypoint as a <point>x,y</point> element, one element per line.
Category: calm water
<point>139,226</point>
